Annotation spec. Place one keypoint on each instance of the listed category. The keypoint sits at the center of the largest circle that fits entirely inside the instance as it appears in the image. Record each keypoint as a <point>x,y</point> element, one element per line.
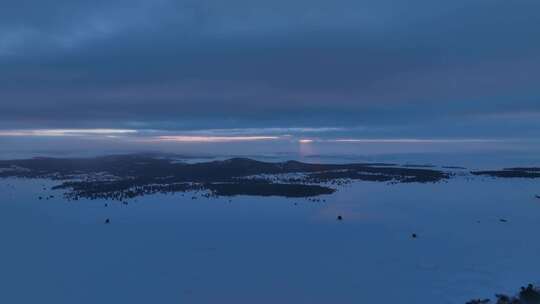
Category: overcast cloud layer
<point>417,68</point>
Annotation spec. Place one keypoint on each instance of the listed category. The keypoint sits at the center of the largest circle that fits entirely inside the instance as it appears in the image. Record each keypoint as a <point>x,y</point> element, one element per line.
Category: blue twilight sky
<point>239,71</point>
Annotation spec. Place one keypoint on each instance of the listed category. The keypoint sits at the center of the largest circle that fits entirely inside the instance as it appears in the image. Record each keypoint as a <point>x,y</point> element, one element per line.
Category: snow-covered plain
<point>175,249</point>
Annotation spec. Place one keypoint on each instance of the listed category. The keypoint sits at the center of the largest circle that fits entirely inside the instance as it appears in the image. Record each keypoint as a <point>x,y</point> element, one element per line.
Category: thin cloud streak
<point>66,132</point>
<point>414,140</point>
<point>405,140</point>
<point>293,134</point>
<point>214,139</point>
<point>266,131</point>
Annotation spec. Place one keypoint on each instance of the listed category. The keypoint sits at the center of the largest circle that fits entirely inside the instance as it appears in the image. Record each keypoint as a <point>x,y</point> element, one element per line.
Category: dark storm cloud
<point>218,64</point>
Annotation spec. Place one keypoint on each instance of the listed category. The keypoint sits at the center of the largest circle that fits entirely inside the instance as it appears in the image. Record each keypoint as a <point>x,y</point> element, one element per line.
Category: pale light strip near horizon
<point>274,131</point>
<point>214,138</point>
<point>238,135</point>
<point>66,132</point>
<point>408,140</point>
<point>141,134</point>
<point>418,140</point>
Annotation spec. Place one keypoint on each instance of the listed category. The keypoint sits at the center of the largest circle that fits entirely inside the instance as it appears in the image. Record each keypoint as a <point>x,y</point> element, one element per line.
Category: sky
<point>140,72</point>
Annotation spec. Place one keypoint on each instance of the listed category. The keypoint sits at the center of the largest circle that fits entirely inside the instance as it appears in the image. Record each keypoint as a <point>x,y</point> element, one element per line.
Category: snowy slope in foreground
<point>175,249</point>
